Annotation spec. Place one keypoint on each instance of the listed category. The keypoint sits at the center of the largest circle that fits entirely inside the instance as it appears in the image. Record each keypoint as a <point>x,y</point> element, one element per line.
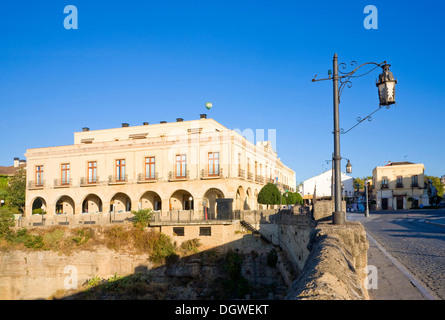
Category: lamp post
<point>190,199</point>
<point>367,205</point>
<point>386,89</point>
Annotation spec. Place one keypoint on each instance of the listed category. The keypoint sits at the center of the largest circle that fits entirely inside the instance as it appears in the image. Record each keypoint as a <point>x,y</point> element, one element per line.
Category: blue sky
<point>141,61</point>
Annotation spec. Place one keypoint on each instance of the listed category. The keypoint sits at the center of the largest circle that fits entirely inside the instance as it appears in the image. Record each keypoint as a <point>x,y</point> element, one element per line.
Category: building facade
<point>167,167</point>
<point>399,185</point>
<point>322,183</point>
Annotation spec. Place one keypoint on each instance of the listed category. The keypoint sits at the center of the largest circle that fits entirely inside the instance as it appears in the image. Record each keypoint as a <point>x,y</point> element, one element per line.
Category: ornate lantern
<point>387,86</point>
<point>348,167</point>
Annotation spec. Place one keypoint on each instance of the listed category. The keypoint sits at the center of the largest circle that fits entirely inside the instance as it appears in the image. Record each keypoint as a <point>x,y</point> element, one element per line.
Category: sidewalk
<point>394,281</point>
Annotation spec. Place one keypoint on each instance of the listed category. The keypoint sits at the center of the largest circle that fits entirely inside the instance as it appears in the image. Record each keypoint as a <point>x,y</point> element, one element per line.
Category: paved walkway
<point>394,281</point>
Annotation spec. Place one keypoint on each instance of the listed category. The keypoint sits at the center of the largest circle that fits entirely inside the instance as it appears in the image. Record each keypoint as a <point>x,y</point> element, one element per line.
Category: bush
<point>269,194</point>
<point>142,217</point>
<point>191,246</point>
<point>161,247</point>
<point>38,211</point>
<point>272,258</point>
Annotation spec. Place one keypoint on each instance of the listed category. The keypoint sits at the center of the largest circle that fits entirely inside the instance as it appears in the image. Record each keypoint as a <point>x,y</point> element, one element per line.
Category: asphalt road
<point>416,238</point>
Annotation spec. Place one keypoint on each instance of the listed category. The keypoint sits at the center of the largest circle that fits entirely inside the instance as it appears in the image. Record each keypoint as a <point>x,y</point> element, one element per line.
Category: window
<point>120,170</point>
<point>399,182</point>
<point>205,231</point>
<point>414,181</point>
<point>92,172</point>
<point>65,176</point>
<point>384,182</point>
<point>213,163</point>
<point>150,168</point>
<point>39,175</point>
<point>181,166</point>
<point>178,231</point>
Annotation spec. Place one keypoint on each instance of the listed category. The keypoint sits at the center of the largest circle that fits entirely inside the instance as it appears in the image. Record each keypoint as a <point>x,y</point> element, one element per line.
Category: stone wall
<point>323,209</point>
<point>335,268</point>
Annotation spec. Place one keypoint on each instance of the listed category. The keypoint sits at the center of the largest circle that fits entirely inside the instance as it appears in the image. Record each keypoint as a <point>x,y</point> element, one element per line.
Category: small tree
<point>269,194</point>
<point>142,217</point>
<point>16,190</point>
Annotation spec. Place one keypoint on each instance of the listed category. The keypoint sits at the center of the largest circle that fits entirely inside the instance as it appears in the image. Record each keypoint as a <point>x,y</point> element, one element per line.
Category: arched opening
<point>39,206</point>
<point>150,200</point>
<point>255,200</point>
<point>209,202</point>
<point>181,200</point>
<point>248,203</point>
<point>91,204</point>
<point>120,203</point>
<point>240,197</point>
<point>65,205</point>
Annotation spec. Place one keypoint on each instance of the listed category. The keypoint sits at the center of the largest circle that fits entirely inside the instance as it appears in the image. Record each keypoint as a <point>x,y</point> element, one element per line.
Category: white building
<point>323,185</point>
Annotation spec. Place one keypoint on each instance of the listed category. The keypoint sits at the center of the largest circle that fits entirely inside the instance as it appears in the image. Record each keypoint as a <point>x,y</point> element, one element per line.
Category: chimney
<point>162,121</point>
<point>145,123</point>
<point>22,162</point>
<point>85,129</point>
<point>16,162</point>
<point>203,116</point>
<point>125,125</point>
<point>179,119</point>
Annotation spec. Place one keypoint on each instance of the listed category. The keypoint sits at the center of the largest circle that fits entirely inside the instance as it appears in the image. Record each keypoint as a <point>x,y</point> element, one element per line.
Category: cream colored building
<point>176,166</point>
<point>395,183</point>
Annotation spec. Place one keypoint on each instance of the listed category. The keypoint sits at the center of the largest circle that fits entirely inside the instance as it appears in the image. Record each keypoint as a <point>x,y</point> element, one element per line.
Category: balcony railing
<point>399,185</point>
<point>89,181</point>
<point>259,179</point>
<point>142,178</point>
<point>214,175</point>
<point>117,179</point>
<point>249,176</point>
<point>36,184</point>
<point>173,177</point>
<point>415,185</point>
<point>384,186</point>
<point>59,183</point>
<point>241,173</point>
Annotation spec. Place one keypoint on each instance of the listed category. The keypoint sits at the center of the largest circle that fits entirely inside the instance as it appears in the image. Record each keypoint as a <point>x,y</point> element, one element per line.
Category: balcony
<point>399,185</point>
<point>173,177</point>
<point>89,182</point>
<point>241,174</point>
<point>34,185</point>
<point>112,180</point>
<point>250,176</point>
<point>215,175</point>
<point>259,179</point>
<point>384,186</point>
<point>147,179</point>
<point>59,183</point>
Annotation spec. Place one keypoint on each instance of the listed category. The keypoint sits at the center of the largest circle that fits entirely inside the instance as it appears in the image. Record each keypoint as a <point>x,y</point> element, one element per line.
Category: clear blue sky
<point>135,61</point>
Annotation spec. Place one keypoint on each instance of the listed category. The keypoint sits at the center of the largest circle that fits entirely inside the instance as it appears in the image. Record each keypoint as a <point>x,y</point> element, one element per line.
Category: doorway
<point>384,203</point>
<point>399,203</point>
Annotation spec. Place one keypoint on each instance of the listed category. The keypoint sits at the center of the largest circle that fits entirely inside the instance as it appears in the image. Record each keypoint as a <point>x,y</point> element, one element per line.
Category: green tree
<point>436,184</point>
<point>269,194</point>
<point>16,190</point>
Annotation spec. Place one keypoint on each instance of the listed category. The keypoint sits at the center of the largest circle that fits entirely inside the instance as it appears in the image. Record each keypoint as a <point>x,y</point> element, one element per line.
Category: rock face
<point>335,267</point>
<point>46,274</point>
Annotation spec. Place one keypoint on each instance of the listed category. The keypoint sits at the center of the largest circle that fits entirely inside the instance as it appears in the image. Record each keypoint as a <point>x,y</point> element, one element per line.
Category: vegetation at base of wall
<point>272,258</point>
<point>191,246</point>
<point>142,218</point>
<point>38,211</point>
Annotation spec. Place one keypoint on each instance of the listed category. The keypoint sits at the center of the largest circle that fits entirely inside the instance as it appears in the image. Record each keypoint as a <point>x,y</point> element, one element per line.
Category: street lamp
<point>341,79</point>
<point>348,167</point>
<point>366,192</point>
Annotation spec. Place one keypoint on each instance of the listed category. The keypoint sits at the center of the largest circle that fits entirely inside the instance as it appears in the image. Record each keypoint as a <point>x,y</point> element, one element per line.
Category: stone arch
<point>65,205</point>
<point>249,201</point>
<point>120,203</point>
<point>150,200</point>
<point>240,198</point>
<point>209,201</point>
<point>92,203</point>
<point>180,200</point>
<point>38,203</point>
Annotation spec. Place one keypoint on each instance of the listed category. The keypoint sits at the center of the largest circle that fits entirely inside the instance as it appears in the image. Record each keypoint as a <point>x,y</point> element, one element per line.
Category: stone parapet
<point>335,268</point>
